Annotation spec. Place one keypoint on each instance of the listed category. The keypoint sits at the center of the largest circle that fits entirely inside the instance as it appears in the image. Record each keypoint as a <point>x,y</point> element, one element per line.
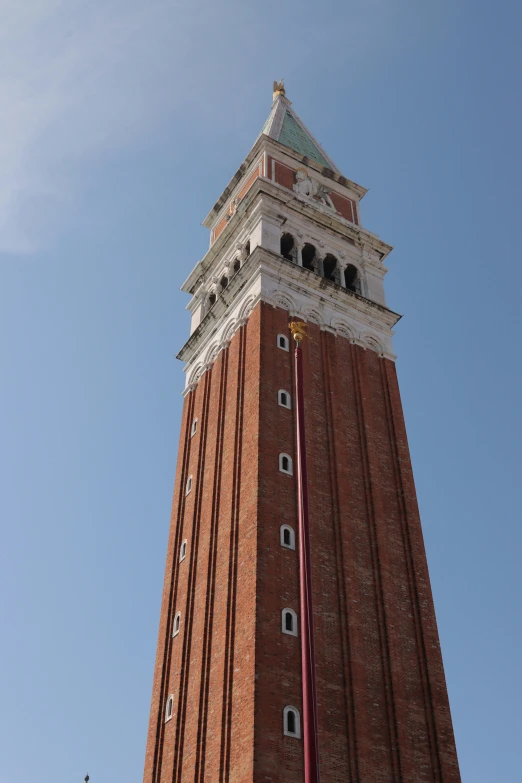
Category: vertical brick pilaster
<point>383,708</point>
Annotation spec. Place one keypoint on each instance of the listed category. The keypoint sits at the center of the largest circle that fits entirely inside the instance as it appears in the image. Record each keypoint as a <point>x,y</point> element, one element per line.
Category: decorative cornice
<point>266,144</point>
<point>281,198</point>
<point>268,277</point>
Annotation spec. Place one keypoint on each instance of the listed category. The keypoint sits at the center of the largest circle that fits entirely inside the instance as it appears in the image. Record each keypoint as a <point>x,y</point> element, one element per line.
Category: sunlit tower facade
<point>242,614</point>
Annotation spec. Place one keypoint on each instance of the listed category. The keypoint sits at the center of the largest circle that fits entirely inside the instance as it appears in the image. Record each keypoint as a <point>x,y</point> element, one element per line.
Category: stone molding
<point>281,201</point>
<point>272,279</point>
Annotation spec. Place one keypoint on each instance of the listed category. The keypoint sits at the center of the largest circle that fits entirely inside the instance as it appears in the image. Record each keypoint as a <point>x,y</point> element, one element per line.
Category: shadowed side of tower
<point>209,665</point>
<point>227,705</point>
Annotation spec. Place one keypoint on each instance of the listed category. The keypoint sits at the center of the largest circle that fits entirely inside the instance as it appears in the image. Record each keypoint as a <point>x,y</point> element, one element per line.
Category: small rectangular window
<point>284,399</point>
<point>285,464</point>
<point>287,537</point>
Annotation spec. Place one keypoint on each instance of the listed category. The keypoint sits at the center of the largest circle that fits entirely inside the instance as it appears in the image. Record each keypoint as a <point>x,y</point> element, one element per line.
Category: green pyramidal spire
<point>284,126</point>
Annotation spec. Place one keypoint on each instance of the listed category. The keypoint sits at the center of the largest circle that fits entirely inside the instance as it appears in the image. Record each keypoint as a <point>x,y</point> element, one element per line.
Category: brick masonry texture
<point>383,709</point>
<point>246,187</point>
<point>285,176</point>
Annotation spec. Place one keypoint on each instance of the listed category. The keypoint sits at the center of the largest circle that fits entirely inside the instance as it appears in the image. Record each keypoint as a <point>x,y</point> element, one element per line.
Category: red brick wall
<point>285,176</point>
<point>246,187</point>
<point>345,206</point>
<point>209,665</point>
<point>250,181</point>
<point>383,708</point>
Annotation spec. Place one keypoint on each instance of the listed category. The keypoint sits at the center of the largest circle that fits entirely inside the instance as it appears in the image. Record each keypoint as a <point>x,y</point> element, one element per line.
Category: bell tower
<point>233,700</point>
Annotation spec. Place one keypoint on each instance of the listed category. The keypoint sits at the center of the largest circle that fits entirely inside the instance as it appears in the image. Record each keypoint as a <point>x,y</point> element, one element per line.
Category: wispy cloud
<point>80,79</point>
<point>74,78</point>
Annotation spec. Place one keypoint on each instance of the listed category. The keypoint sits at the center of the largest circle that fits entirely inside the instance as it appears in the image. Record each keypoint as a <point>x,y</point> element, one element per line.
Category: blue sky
<point>120,124</point>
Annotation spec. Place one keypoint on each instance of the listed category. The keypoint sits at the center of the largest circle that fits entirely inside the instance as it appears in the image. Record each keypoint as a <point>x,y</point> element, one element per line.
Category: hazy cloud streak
<point>80,80</point>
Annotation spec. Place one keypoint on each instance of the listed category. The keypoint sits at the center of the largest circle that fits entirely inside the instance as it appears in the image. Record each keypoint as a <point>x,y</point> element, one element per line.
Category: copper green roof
<point>294,136</point>
<point>283,125</point>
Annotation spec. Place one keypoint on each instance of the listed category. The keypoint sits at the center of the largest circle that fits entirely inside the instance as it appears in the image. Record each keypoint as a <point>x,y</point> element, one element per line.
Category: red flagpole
<point>310,723</point>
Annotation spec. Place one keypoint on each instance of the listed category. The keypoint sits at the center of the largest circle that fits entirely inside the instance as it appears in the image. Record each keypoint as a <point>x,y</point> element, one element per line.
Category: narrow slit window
<point>177,624</point>
<point>291,722</point>
<point>183,551</point>
<point>285,464</point>
<point>188,485</point>
<point>169,708</point>
<point>287,537</point>
<point>194,428</point>
<point>289,622</point>
<point>284,399</point>
<point>282,342</point>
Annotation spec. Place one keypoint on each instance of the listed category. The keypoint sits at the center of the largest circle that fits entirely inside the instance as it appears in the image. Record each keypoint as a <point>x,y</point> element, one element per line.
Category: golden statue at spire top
<point>279,89</point>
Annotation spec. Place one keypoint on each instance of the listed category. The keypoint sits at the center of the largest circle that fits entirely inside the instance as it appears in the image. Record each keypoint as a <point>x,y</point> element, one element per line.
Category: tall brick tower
<point>227,703</point>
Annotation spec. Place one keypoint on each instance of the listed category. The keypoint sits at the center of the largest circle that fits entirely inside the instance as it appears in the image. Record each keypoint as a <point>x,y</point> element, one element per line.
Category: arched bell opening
<point>308,256</point>
<point>330,268</point>
<point>223,282</point>
<point>351,279</point>
<point>288,248</point>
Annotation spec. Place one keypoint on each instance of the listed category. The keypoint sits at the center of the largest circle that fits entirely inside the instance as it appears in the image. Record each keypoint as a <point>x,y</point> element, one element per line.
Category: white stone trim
<point>270,278</point>
<point>264,191</point>
<point>368,340</point>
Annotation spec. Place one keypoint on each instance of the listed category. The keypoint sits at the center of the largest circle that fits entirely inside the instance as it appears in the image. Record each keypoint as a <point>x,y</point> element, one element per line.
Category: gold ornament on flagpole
<point>298,329</point>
